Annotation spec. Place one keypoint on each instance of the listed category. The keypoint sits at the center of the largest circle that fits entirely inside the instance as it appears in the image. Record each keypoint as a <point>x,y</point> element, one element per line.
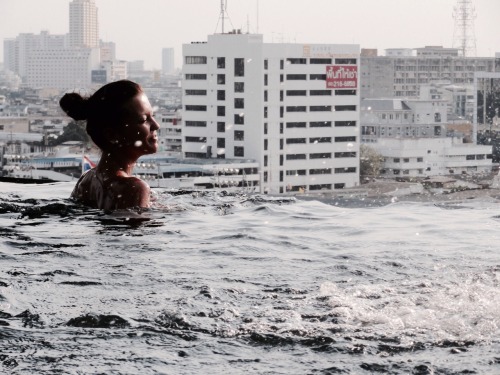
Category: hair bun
<point>75,106</point>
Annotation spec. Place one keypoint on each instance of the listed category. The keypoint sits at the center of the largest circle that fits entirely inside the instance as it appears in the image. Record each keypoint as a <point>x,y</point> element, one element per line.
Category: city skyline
<point>161,25</point>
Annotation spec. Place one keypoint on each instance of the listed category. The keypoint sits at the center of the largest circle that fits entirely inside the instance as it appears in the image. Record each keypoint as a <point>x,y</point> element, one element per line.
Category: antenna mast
<point>223,15</point>
<point>464,38</point>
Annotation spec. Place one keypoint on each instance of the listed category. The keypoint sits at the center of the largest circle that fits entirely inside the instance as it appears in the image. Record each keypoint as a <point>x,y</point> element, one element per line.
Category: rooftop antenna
<point>222,16</point>
<point>257,17</point>
<point>464,38</point>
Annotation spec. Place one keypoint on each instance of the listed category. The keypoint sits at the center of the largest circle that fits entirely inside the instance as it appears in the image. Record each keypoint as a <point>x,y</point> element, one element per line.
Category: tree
<point>370,162</point>
<point>72,132</point>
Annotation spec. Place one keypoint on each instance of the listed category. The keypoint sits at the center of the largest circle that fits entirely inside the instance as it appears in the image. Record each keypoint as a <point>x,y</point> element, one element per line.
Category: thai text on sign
<point>341,77</point>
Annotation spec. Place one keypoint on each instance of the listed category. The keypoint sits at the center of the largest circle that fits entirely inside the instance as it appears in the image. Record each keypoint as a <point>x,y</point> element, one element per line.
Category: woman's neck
<point>111,165</point>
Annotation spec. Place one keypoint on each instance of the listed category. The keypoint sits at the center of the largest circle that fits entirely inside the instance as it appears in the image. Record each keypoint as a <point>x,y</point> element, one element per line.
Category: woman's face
<point>138,135</point>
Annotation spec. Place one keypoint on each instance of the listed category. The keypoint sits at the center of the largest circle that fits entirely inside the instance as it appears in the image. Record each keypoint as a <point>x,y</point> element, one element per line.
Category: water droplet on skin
<point>138,143</point>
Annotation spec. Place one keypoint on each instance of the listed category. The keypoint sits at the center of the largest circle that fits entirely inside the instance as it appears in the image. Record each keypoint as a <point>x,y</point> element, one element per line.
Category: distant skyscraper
<point>83,26</point>
<point>167,61</point>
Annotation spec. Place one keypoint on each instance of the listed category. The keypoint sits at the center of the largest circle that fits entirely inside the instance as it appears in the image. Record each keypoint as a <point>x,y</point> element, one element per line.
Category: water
<point>228,283</point>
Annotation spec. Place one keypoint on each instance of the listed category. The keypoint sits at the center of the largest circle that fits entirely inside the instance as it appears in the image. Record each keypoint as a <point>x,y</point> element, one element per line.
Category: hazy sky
<point>141,28</point>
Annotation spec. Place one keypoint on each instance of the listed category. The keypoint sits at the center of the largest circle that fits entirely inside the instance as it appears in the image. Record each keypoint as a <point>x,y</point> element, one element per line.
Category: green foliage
<point>371,161</point>
<point>72,132</point>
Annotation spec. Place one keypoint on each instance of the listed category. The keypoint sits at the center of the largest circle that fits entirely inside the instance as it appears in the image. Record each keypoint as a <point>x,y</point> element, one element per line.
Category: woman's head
<point>105,111</point>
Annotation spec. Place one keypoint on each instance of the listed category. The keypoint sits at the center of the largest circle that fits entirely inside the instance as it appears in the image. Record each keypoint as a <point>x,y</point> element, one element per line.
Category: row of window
<point>320,124</point>
<point>221,61</point>
<point>321,108</point>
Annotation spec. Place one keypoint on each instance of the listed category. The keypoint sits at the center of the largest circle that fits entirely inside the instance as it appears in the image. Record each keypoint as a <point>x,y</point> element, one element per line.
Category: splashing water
<point>234,283</point>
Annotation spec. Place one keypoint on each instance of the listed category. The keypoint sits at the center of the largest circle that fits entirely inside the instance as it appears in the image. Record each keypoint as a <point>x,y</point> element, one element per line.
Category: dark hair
<point>103,109</point>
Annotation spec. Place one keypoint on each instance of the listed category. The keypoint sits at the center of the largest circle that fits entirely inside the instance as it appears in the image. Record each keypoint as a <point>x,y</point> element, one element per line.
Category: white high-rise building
<point>294,108</point>
<point>83,25</point>
<point>167,61</point>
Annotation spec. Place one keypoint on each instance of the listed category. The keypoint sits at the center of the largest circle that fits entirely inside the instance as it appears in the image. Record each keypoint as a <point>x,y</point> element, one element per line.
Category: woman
<point>120,122</point>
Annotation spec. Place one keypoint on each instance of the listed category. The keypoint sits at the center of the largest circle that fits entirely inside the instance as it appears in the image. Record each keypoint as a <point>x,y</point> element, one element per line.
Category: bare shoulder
<point>130,192</point>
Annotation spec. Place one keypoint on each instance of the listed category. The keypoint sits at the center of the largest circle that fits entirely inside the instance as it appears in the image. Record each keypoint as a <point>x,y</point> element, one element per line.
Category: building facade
<point>83,24</point>
<point>401,75</point>
<point>294,108</point>
<point>167,61</point>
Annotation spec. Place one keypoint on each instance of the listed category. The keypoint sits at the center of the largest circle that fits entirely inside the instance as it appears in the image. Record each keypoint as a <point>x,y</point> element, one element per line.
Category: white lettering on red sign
<point>341,77</point>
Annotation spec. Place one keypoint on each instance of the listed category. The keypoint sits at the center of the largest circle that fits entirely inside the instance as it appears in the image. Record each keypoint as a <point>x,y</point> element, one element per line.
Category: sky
<point>141,28</point>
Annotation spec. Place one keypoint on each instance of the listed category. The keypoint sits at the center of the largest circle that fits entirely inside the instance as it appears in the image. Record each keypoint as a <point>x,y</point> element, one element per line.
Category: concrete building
<point>58,61</point>
<point>401,76</point>
<point>411,136</point>
<point>83,24</point>
<point>167,61</point>
<point>108,51</point>
<point>294,108</point>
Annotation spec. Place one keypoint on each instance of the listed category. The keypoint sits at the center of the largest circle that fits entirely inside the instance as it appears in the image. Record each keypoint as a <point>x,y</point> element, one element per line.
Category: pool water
<point>211,282</point>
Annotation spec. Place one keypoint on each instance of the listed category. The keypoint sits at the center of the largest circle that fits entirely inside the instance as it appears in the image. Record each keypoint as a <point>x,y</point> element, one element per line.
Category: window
<point>239,151</point>
<point>345,170</point>
<point>320,124</point>
<point>321,155</point>
<point>200,124</point>
<point>265,80</point>
<point>221,62</point>
<point>265,95</point>
<point>221,110</point>
<point>239,87</point>
<point>196,76</point>
<point>296,77</point>
<point>290,125</point>
<point>239,67</point>
<point>296,108</point>
<point>298,172</point>
<point>420,160</point>
<point>239,119</point>
<point>221,142</point>
<point>470,157</point>
<point>239,135</point>
<point>197,155</point>
<point>265,112</point>
<point>320,61</point>
<point>345,154</point>
<point>321,187</point>
<point>295,156</point>
<point>345,92</point>
<point>221,95</point>
<point>282,64</point>
<point>321,171</point>
<point>266,64</point>
<point>281,128</point>
<point>221,79</point>
<point>320,92</point>
<point>196,59</point>
<point>196,107</point>
<point>265,160</point>
<point>339,186</point>
<point>296,92</point>
<point>295,140</point>
<point>265,128</point>
<point>320,140</point>
<point>317,77</point>
<point>281,95</point>
<point>221,127</point>
<point>344,123</point>
<point>396,160</point>
<point>239,103</point>
<point>340,108</point>
<point>345,139</point>
<point>345,61</point>
<point>196,139</point>
<point>266,144</point>
<point>296,61</point>
<point>321,108</point>
<point>196,92</point>
<point>406,160</point>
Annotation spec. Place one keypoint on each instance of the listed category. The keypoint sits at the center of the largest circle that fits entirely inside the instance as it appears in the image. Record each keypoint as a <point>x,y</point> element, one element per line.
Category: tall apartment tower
<point>83,25</point>
<point>167,61</point>
<point>293,108</point>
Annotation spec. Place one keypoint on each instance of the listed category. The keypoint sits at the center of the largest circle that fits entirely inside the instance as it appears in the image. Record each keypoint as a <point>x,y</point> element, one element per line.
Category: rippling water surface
<point>230,283</point>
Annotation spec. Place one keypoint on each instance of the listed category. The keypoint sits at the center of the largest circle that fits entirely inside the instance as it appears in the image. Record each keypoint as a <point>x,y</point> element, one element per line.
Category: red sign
<point>342,77</point>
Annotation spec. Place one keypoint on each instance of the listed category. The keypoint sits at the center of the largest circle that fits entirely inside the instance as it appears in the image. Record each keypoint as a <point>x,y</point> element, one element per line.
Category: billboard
<point>342,77</point>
